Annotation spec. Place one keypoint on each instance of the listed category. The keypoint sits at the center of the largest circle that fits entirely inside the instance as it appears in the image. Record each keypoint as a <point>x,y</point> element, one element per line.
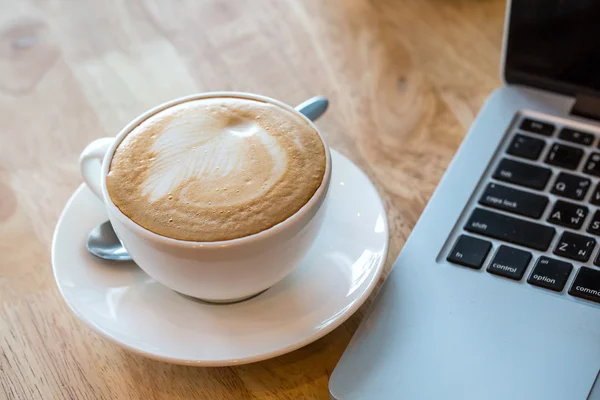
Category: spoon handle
<point>314,107</point>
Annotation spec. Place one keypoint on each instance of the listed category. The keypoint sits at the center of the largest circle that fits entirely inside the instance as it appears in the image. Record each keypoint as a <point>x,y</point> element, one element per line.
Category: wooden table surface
<point>405,80</point>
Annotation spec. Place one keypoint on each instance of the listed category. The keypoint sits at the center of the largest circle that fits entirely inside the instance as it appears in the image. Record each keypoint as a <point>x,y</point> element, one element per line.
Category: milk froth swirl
<point>216,169</point>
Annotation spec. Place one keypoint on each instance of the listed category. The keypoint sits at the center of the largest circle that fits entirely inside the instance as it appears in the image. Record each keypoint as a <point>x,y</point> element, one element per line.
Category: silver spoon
<point>103,241</point>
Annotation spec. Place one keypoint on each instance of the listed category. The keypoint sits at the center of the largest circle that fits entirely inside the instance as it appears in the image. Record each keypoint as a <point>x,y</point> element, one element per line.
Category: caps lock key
<point>514,200</point>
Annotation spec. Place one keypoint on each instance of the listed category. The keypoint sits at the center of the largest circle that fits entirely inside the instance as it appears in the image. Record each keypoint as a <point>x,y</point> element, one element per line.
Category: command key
<point>586,284</point>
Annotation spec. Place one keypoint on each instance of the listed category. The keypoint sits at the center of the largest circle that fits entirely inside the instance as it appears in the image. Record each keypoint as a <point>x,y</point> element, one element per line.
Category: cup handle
<point>90,164</point>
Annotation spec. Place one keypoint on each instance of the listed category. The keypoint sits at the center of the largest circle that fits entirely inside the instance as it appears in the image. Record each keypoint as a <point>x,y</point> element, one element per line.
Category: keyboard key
<point>550,273</point>
<point>575,136</point>
<point>509,229</point>
<point>597,260</point>
<point>542,128</point>
<point>586,284</point>
<point>526,147</point>
<point>571,186</point>
<point>592,165</point>
<point>522,174</point>
<point>595,199</point>
<point>568,214</point>
<point>564,156</point>
<point>594,227</point>
<point>469,251</point>
<point>574,246</point>
<point>514,200</point>
<point>509,262</point>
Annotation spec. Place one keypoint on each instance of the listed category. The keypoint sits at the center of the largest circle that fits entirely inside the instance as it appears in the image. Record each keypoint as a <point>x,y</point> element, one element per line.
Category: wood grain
<point>405,79</point>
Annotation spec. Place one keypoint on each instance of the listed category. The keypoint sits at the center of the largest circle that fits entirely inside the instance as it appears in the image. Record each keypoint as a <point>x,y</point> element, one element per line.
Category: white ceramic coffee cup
<point>221,271</point>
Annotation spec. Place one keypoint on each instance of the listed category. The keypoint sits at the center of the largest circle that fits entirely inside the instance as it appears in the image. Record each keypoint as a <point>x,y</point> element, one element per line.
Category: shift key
<point>586,284</point>
<point>522,174</point>
<point>509,229</point>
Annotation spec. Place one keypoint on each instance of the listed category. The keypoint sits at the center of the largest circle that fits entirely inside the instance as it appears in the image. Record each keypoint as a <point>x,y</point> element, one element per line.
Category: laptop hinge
<point>586,106</point>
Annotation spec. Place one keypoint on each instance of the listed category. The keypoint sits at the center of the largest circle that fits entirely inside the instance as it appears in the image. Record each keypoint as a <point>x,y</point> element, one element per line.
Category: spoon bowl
<point>104,243</point>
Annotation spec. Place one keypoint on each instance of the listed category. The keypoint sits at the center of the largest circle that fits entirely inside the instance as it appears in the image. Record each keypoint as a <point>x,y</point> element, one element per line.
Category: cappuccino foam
<point>216,169</point>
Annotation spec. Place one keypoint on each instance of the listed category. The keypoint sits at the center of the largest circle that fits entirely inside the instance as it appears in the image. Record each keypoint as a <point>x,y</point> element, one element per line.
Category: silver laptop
<point>496,294</point>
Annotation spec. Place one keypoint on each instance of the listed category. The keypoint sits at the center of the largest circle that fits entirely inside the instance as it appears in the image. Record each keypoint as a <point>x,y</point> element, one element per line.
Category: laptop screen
<point>555,45</point>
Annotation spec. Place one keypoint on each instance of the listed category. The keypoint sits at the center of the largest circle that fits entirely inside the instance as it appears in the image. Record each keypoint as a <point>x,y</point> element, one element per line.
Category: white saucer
<point>126,306</point>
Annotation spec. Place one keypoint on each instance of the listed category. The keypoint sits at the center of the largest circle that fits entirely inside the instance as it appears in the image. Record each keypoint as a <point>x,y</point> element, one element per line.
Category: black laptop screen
<point>555,44</point>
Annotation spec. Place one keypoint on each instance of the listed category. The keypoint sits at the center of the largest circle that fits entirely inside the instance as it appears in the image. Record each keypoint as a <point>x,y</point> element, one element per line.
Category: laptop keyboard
<point>535,219</point>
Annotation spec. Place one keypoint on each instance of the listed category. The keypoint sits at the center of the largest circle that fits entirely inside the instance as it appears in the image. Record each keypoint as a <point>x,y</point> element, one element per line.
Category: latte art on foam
<point>218,153</point>
<point>216,169</point>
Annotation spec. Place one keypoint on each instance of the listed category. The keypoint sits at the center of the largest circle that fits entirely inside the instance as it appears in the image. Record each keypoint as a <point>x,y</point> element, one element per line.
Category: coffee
<point>216,169</point>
